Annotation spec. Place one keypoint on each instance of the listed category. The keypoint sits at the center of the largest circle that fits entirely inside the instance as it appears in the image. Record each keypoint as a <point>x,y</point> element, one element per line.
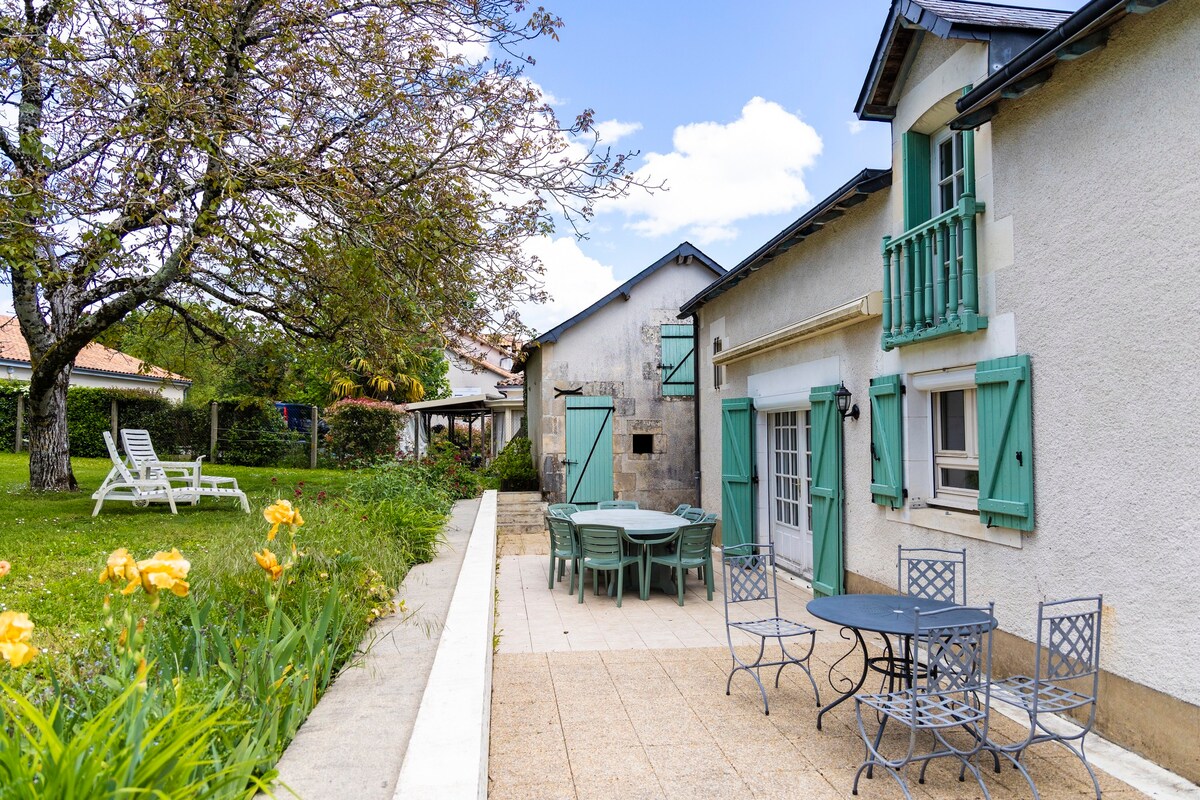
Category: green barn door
<point>737,471</point>
<point>589,450</point>
<point>826,492</point>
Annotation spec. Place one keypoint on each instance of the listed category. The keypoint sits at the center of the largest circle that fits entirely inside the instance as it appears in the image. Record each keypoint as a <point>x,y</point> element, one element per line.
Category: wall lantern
<point>842,397</point>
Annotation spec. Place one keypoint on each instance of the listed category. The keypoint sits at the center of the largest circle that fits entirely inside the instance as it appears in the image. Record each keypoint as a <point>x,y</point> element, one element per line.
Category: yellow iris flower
<point>165,571</point>
<point>281,512</point>
<point>15,631</point>
<point>267,560</point>
<point>121,567</point>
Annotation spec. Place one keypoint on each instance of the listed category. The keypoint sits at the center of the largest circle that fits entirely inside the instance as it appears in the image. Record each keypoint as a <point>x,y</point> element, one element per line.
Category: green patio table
<point>639,523</point>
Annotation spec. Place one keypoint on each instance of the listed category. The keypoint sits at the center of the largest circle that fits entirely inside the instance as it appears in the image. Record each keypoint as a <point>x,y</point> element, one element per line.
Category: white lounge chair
<point>192,483</point>
<point>122,484</point>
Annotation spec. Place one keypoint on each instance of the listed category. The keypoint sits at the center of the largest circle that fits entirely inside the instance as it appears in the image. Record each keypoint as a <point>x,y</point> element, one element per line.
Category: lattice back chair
<point>606,504</point>
<point>564,547</point>
<point>693,548</point>
<point>1066,677</point>
<point>950,692</point>
<point>602,548</point>
<point>932,573</point>
<point>564,510</point>
<point>750,577</point>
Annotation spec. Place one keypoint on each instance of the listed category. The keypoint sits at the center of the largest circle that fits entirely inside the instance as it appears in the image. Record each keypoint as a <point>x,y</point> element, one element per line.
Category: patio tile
<point>506,790</point>
<point>625,789</point>
<point>789,784</point>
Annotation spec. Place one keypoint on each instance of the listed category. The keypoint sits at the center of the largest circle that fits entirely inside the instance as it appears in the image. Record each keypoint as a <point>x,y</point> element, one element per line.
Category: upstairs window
<point>718,370</point>
<point>949,175</point>
<point>678,366</point>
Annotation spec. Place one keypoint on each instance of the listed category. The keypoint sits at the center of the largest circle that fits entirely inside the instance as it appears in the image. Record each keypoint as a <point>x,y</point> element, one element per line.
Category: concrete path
<point>353,743</point>
<point>594,701</point>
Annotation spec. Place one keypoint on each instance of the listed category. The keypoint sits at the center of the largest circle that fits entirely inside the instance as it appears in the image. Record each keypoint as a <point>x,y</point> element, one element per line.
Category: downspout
<point>696,398</point>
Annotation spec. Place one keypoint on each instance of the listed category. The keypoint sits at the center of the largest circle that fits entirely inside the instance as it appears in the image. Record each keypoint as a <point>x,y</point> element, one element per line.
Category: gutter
<point>696,401</point>
<point>1032,66</point>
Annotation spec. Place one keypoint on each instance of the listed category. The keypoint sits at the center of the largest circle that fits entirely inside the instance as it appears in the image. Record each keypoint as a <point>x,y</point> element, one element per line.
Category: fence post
<point>312,450</point>
<point>212,432</point>
<point>113,414</point>
<point>20,422</point>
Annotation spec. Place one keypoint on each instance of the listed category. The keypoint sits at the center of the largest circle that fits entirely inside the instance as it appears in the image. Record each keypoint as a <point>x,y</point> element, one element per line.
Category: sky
<point>746,110</point>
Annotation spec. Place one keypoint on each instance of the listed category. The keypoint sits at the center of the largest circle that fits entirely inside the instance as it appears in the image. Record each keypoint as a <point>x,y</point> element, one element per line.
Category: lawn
<point>57,548</point>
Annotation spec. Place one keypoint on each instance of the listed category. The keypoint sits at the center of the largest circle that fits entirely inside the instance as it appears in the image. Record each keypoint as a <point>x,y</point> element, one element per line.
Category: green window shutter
<point>678,361</point>
<point>826,492</point>
<point>887,441</point>
<point>914,149</point>
<point>1004,406</point>
<point>737,471</point>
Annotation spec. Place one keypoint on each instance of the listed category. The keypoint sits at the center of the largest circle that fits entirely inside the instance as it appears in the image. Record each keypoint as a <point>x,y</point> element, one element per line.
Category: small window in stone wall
<point>643,443</point>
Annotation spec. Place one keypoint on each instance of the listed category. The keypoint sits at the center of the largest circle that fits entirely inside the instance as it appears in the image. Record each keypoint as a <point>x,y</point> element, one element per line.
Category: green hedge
<point>9,391</point>
<point>363,430</point>
<point>250,432</point>
<point>514,467</point>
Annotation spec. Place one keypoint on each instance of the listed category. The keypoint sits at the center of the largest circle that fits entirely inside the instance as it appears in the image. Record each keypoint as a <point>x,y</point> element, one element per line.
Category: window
<point>955,448</point>
<point>949,174</point>
<point>643,443</point>
<point>678,366</point>
<point>786,468</point>
<point>718,370</point>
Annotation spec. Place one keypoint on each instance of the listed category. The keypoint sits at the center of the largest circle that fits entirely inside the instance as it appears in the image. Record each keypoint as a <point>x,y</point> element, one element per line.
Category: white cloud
<point>855,126</point>
<point>719,174</point>
<point>613,130</point>
<point>573,280</point>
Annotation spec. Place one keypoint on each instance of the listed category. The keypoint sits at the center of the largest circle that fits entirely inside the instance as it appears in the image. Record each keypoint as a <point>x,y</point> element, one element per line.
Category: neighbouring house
<point>610,392</point>
<point>96,366</point>
<point>484,390</point>
<point>1004,304</point>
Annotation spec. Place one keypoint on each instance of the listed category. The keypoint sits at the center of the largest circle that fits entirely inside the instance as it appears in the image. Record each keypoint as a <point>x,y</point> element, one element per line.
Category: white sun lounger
<point>189,482</point>
<point>122,484</point>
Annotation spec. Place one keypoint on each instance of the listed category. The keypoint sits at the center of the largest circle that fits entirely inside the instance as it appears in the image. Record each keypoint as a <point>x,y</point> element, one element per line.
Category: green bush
<point>251,432</point>
<point>514,467</point>
<point>9,391</point>
<point>363,430</point>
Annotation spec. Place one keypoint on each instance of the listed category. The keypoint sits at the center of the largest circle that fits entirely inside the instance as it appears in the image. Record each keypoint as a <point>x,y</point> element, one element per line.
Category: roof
<point>851,193</point>
<point>466,402</point>
<point>683,254</point>
<point>909,20</point>
<point>1079,34</point>
<point>93,358</point>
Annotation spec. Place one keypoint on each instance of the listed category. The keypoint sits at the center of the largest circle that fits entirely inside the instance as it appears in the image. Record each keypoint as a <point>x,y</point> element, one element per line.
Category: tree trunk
<point>49,450</point>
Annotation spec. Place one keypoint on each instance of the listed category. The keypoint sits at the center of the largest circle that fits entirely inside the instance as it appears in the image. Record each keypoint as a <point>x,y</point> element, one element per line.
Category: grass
<point>57,548</point>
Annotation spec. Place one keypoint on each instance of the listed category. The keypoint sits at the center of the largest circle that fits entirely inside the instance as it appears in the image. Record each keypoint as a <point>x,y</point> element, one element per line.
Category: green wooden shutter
<point>826,491</point>
<point>589,461</point>
<point>737,471</point>
<point>678,361</point>
<point>918,180</point>
<point>887,441</point>
<point>1004,406</point>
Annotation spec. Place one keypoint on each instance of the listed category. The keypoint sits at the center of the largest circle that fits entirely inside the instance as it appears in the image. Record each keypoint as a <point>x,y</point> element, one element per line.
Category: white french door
<point>790,460</point>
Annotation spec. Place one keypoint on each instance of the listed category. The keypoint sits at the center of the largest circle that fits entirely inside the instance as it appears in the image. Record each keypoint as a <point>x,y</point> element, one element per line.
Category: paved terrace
<point>594,701</point>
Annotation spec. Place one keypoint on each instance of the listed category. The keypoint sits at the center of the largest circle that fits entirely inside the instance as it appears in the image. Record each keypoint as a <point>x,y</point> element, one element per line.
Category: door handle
<point>567,461</point>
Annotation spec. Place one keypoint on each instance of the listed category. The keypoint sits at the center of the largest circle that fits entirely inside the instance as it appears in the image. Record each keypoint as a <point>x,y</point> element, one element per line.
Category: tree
<point>323,165</point>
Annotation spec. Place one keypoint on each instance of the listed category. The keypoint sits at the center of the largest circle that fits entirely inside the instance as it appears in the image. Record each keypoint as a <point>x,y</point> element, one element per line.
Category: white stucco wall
<point>171,391</point>
<point>1089,266</point>
<point>616,352</point>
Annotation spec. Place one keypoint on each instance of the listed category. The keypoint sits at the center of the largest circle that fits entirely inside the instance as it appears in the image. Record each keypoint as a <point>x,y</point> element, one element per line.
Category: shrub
<point>363,430</point>
<point>9,391</point>
<point>250,432</point>
<point>514,467</point>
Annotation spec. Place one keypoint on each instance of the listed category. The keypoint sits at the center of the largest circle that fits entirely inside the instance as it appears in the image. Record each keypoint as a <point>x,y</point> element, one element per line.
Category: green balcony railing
<point>930,274</point>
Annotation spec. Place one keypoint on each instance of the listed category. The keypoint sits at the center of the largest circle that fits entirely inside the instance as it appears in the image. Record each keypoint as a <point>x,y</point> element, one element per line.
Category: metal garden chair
<point>751,577</point>
<point>949,692</point>
<point>604,504</point>
<point>564,547</point>
<point>1066,677</point>
<point>932,573</point>
<point>693,548</point>
<point>602,549</point>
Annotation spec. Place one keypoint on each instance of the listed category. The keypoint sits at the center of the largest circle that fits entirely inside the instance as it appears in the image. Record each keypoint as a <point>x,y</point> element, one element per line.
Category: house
<point>610,391</point>
<point>1007,304</point>
<point>96,366</point>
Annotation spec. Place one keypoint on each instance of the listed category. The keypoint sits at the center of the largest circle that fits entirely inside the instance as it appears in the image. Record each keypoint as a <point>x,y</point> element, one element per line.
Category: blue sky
<point>682,79</point>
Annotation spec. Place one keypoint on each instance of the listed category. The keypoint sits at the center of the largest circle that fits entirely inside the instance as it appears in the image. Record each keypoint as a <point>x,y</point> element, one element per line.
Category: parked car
<point>298,417</point>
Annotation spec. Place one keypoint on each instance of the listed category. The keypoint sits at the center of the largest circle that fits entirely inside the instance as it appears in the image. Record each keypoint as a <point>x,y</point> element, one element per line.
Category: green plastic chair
<point>709,517</point>
<point>603,504</point>
<point>679,509</point>
<point>602,549</point>
<point>693,514</point>
<point>564,510</point>
<point>564,547</point>
<point>693,548</point>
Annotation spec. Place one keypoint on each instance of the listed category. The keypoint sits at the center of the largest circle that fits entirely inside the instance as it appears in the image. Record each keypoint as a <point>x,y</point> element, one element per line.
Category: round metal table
<point>638,524</point>
<point>887,614</point>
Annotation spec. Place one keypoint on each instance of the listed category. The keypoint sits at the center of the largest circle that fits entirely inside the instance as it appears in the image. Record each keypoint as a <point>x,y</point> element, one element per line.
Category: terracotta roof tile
<point>95,357</point>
